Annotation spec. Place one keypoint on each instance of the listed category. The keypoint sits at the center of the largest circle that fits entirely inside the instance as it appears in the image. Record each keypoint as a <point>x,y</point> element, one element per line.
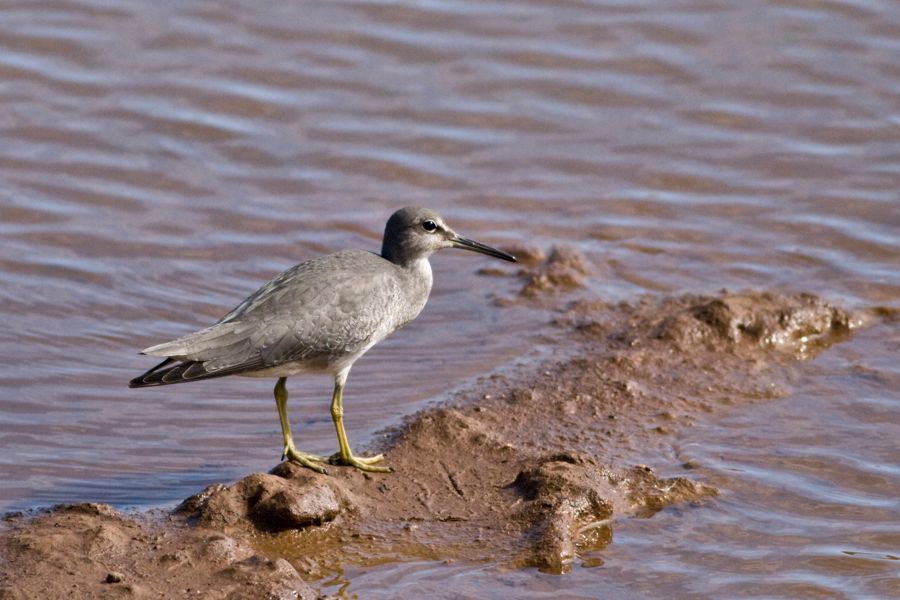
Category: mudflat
<point>529,468</point>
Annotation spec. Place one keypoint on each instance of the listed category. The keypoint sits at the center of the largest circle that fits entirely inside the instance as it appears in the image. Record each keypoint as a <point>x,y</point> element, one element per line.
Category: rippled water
<point>160,160</point>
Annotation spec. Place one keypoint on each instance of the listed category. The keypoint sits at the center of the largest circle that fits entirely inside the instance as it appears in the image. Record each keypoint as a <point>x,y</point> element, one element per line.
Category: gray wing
<point>318,310</point>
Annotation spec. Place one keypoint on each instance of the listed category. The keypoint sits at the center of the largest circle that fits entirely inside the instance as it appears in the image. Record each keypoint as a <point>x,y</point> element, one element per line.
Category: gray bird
<point>319,317</point>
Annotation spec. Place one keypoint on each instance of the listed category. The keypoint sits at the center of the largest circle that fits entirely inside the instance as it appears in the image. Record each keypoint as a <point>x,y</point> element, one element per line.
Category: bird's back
<point>320,313</point>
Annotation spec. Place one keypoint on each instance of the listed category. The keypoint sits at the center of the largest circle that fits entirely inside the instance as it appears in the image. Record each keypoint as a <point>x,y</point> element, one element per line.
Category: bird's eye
<point>429,225</point>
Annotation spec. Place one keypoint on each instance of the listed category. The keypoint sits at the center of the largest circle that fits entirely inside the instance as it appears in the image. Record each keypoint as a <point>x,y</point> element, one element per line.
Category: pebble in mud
<point>114,577</point>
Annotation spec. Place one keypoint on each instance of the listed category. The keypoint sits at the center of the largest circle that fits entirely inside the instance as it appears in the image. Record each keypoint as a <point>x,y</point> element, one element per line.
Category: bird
<point>319,316</point>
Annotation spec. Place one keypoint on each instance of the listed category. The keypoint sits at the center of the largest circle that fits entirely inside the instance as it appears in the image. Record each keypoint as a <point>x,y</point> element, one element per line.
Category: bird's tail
<point>172,371</point>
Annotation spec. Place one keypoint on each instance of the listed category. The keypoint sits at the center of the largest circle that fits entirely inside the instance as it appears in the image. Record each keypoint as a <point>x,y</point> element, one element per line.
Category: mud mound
<point>530,470</point>
<point>93,551</point>
<point>796,323</point>
<point>288,498</point>
<point>565,269</point>
<point>569,501</point>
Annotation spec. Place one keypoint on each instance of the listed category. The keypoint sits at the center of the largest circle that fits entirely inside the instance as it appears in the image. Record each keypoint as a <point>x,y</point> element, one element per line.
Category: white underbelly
<point>286,370</point>
<point>332,367</point>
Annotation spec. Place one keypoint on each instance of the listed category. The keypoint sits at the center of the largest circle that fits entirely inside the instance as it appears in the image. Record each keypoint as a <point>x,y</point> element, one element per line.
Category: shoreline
<point>528,470</point>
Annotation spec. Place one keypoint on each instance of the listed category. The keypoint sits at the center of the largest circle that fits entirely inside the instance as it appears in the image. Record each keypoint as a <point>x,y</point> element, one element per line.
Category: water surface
<point>160,160</point>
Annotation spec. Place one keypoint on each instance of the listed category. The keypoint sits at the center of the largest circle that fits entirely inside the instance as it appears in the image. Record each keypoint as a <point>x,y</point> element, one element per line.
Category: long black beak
<point>466,244</point>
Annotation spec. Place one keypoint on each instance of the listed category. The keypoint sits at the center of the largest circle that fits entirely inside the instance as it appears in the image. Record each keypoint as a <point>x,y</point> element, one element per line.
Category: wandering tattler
<point>319,317</point>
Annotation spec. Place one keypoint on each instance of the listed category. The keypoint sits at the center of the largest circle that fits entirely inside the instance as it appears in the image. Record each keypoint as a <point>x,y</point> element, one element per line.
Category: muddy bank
<point>530,468</point>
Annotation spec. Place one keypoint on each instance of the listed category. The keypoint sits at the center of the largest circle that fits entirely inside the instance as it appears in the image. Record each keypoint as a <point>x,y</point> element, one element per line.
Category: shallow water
<point>161,160</point>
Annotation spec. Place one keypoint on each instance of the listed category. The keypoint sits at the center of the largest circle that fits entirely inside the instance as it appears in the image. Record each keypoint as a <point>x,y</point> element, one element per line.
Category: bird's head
<point>413,233</point>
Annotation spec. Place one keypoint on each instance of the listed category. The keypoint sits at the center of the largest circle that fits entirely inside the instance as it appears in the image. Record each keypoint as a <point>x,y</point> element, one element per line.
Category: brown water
<point>160,160</point>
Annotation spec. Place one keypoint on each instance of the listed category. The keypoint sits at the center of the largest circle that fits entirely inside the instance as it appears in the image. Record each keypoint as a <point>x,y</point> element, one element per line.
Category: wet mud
<point>529,468</point>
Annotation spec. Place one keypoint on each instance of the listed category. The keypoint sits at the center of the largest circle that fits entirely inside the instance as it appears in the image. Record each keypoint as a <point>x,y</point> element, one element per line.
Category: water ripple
<point>160,163</point>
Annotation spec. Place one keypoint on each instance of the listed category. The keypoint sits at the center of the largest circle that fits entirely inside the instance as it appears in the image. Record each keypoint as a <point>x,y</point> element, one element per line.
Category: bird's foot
<point>310,461</point>
<point>363,463</point>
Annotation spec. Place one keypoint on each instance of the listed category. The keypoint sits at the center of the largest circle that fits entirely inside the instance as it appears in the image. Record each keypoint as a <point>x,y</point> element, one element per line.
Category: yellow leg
<point>345,456</point>
<point>291,452</point>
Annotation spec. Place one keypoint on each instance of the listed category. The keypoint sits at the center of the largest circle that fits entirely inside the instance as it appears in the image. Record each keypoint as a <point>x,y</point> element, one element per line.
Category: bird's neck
<point>421,270</point>
<point>417,274</point>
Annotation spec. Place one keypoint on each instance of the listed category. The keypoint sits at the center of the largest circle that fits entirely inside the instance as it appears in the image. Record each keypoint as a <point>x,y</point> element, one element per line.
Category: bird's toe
<point>363,463</point>
<point>310,461</point>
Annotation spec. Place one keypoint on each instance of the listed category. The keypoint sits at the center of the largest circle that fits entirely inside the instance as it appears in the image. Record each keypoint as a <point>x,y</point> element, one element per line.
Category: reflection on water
<point>159,161</point>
